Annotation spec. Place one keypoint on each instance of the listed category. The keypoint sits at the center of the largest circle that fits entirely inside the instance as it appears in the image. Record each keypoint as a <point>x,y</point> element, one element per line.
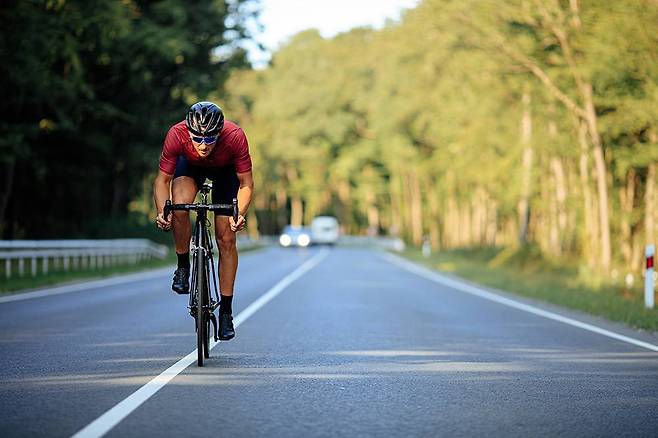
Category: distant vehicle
<point>324,230</point>
<point>295,236</point>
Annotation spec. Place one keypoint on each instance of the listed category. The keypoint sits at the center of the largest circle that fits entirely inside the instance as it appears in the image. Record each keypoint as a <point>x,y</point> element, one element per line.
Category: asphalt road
<point>355,346</point>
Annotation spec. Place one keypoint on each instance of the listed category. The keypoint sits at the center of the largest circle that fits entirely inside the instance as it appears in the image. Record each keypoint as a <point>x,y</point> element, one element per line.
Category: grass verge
<point>25,283</point>
<point>525,272</point>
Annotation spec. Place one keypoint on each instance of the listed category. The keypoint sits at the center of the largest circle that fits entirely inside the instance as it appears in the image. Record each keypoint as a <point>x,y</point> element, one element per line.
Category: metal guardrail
<point>96,254</point>
<point>75,254</point>
<point>391,243</point>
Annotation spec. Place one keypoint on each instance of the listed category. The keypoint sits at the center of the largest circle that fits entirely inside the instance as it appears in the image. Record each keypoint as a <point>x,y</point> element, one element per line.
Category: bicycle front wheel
<point>206,314</point>
<point>200,306</point>
<point>206,337</point>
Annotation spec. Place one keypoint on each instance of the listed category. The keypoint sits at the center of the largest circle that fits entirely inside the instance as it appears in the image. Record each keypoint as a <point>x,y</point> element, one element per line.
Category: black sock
<point>183,260</point>
<point>225,304</point>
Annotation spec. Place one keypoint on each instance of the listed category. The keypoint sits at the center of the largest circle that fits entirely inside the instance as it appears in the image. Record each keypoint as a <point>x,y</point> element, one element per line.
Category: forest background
<point>519,123</point>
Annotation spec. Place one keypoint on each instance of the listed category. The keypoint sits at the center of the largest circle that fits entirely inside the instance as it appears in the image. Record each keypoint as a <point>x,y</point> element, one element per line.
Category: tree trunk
<point>560,198</point>
<point>372,213</point>
<point>588,113</point>
<point>396,208</point>
<point>492,223</point>
<point>559,219</point>
<point>526,179</point>
<point>551,216</point>
<point>575,15</point>
<point>281,207</point>
<point>601,178</point>
<point>296,211</point>
<point>5,193</point>
<point>590,240</point>
<point>416,209</point>
<point>626,201</point>
<point>480,216</point>
<point>434,221</point>
<point>476,229</point>
<point>344,196</point>
<point>466,239</point>
<point>451,227</point>
<point>118,191</point>
<point>296,205</point>
<point>650,205</point>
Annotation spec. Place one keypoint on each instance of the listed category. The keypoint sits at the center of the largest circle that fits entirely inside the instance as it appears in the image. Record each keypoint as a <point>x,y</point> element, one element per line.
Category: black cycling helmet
<point>205,119</point>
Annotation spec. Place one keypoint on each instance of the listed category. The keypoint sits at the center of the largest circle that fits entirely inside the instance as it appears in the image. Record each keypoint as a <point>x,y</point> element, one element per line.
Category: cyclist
<point>204,145</point>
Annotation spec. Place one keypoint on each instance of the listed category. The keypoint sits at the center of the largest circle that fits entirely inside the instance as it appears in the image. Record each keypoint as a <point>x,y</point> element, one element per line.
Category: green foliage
<point>89,89</point>
<point>415,129</point>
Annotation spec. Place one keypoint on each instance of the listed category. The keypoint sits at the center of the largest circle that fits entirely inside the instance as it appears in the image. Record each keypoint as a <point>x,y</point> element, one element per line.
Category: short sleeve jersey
<point>232,149</point>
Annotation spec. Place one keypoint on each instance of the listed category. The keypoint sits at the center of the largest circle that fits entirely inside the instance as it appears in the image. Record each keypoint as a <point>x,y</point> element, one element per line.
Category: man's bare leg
<point>228,266</point>
<point>183,190</point>
<point>228,261</point>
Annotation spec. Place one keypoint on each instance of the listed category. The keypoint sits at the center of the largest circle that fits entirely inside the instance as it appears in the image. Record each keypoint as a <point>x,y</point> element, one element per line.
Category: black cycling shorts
<point>225,183</point>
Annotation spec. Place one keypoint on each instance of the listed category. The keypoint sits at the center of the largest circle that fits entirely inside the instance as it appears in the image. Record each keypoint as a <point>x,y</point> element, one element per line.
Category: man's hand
<point>162,223</point>
<point>239,225</point>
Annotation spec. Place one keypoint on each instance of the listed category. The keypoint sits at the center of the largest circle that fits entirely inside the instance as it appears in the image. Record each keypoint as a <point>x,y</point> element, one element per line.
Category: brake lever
<point>235,210</point>
<point>167,209</point>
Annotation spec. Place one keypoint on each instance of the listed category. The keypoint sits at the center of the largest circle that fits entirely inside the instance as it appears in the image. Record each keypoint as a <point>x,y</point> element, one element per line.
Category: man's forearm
<point>245,194</point>
<point>160,193</point>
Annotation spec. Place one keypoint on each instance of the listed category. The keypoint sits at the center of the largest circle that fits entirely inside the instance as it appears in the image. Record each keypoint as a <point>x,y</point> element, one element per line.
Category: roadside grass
<point>525,272</point>
<point>16,284</point>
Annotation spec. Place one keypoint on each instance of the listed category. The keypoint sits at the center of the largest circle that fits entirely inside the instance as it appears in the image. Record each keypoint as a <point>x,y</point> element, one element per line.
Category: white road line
<point>115,415</point>
<point>455,284</point>
<point>92,284</point>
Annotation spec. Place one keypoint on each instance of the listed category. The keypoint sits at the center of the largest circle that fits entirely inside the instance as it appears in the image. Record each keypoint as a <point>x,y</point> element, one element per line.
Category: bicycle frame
<point>202,241</point>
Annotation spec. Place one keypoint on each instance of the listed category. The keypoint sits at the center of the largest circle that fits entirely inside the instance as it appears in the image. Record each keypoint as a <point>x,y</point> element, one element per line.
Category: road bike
<point>202,304</point>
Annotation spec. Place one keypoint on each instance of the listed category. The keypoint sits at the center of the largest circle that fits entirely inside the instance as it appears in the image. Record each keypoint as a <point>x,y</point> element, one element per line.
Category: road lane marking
<point>482,293</point>
<point>115,415</point>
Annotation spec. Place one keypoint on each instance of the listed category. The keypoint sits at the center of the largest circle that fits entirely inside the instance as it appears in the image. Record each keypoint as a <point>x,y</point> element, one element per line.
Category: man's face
<point>203,145</point>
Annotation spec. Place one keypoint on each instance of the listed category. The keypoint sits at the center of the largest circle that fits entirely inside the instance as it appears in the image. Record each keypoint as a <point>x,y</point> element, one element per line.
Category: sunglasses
<point>206,140</point>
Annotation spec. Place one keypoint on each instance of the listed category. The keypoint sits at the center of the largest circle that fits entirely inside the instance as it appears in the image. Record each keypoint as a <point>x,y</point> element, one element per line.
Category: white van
<point>324,230</point>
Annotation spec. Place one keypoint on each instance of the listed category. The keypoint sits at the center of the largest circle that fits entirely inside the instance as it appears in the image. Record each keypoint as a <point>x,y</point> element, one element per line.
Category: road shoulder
<point>596,321</point>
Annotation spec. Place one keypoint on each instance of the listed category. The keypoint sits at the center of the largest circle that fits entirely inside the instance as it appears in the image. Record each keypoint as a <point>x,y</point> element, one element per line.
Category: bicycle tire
<point>200,315</point>
<point>206,315</point>
<point>206,346</point>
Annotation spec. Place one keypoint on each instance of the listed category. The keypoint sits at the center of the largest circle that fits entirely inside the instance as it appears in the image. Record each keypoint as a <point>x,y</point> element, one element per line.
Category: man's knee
<point>181,217</point>
<point>183,190</point>
<point>226,241</point>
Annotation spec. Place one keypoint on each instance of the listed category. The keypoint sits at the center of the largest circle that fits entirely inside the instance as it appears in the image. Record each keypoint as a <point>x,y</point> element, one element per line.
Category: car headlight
<point>285,240</point>
<point>303,240</point>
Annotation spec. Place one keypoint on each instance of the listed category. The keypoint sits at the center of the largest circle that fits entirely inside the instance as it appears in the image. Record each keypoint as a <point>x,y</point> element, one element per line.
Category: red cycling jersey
<point>232,149</point>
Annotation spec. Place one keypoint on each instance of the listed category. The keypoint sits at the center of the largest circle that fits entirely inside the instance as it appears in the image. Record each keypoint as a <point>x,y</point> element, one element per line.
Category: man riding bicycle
<point>202,146</point>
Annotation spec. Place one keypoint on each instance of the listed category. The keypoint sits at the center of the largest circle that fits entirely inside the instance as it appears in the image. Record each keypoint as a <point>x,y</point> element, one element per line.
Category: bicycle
<point>201,303</point>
